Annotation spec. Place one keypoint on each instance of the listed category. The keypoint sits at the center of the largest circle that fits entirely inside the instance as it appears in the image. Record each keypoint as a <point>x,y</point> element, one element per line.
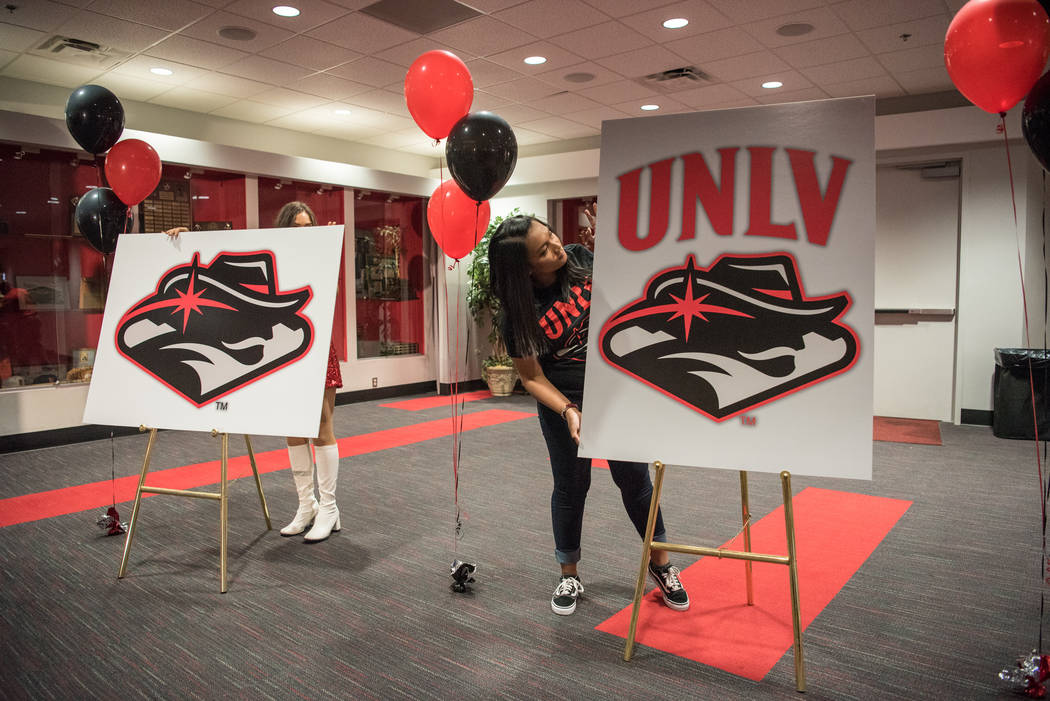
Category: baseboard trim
<point>465,386</point>
<point>976,417</point>
<point>367,395</point>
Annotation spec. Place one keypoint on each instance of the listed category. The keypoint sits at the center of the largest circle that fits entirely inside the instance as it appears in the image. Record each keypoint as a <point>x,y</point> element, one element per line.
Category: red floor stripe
<point>433,402</point>
<point>57,502</point>
<point>835,532</point>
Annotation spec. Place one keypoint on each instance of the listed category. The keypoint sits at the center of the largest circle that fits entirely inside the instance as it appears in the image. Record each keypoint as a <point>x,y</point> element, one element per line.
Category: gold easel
<point>220,497</point>
<point>746,555</point>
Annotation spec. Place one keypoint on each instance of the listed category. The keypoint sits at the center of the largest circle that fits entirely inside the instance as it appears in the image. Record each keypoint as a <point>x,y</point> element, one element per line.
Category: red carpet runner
<point>432,402</point>
<point>894,430</point>
<point>835,532</point>
<point>57,502</point>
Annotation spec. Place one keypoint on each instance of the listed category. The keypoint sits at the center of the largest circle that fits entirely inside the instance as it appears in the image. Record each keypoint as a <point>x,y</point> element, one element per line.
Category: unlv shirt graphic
<point>209,330</point>
<point>730,337</point>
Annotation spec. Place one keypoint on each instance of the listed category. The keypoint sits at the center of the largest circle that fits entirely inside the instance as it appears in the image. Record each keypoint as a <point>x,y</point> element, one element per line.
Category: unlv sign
<point>732,304</point>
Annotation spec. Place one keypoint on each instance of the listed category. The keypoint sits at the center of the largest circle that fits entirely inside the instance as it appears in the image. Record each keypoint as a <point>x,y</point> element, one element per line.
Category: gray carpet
<point>949,597</point>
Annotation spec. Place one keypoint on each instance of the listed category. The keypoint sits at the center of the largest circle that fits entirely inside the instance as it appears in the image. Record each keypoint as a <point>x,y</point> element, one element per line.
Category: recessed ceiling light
<point>160,71</point>
<point>286,11</point>
<point>794,29</point>
<point>676,23</point>
<point>535,60</point>
<point>342,111</point>
<point>650,108</point>
<point>770,84</point>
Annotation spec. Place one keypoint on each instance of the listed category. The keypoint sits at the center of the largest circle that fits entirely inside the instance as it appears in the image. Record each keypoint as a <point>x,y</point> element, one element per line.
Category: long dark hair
<point>286,217</point>
<point>510,283</point>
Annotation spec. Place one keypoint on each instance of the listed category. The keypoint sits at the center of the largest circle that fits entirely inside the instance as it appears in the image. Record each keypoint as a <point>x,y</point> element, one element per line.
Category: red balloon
<point>995,50</point>
<point>456,221</point>
<point>438,90</point>
<point>133,170</point>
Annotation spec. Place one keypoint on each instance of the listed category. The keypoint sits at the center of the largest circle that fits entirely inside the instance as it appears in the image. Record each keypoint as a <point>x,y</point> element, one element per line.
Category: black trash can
<point>1012,390</point>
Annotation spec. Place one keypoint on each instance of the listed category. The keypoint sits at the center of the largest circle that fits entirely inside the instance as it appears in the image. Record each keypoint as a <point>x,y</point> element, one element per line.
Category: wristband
<point>570,405</point>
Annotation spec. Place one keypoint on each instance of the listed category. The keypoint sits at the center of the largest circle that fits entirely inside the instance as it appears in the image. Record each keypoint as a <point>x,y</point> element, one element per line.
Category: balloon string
<point>1031,380</point>
<point>113,466</point>
<point>455,437</point>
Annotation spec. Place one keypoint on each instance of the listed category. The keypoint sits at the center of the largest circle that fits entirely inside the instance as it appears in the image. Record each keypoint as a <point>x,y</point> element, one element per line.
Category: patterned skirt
<point>333,378</point>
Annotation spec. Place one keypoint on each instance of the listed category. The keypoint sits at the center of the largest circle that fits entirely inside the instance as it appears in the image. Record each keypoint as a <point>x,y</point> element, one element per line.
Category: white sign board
<point>732,306</point>
<point>218,330</point>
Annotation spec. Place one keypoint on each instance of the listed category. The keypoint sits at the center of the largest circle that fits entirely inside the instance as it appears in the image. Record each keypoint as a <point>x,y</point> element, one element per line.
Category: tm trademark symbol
<point>221,406</point>
<point>748,420</point>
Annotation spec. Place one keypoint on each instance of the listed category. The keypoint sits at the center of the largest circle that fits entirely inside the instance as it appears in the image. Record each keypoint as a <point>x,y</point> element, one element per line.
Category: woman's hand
<point>573,418</point>
<point>587,234</point>
<point>174,233</point>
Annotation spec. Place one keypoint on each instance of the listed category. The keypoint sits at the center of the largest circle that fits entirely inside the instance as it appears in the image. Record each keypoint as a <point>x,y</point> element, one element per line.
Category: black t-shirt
<point>565,324</point>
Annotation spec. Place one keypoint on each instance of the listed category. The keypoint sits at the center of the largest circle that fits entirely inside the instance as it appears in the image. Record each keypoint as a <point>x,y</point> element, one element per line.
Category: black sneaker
<point>666,577</point>
<point>569,589</point>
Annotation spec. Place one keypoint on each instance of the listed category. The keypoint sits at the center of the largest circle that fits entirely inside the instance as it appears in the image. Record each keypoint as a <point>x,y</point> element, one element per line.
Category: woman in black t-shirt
<point>544,289</point>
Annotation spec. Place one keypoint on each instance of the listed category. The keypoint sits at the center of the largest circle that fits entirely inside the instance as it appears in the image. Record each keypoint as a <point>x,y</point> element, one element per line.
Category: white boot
<point>303,474</point>
<point>327,520</point>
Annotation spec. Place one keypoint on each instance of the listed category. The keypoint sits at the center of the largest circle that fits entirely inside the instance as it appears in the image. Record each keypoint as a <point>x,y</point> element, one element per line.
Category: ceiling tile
<point>395,139</point>
<point>620,91</point>
<point>288,99</point>
<point>804,95</point>
<point>562,102</point>
<point>864,14</point>
<point>43,15</point>
<point>194,100</point>
<point>163,14</point>
<point>6,57</point>
<point>349,132</point>
<point>370,71</point>
<point>754,10</point>
<point>668,105</point>
<point>485,73</point>
<point>516,114</point>
<point>482,36</point>
<point>879,86</point>
<point>539,16</point>
<point>556,56</point>
<point>406,54</point>
<point>710,96</point>
<point>42,70</point>
<point>382,101</point>
<point>854,69</point>
<point>559,127</point>
<point>490,6</point>
<point>310,53</point>
<point>227,85</point>
<point>601,40</point>
<point>522,90</point>
<point>18,39</point>
<point>362,33</point>
<point>830,50</point>
<point>753,86</point>
<point>328,86</point>
<point>487,101</point>
<point>702,19</point>
<point>931,56</point>
<point>595,117</point>
<point>920,33</point>
<point>527,137</point>
<point>202,53</point>
<point>714,45</point>
<point>139,67</point>
<point>601,75</point>
<point>621,8</point>
<point>266,70</point>
<point>127,87</point>
<point>642,62</point>
<point>926,80</point>
<point>311,13</point>
<point>747,66</point>
<point>250,111</point>
<point>108,31</point>
<point>825,24</point>
<point>266,35</point>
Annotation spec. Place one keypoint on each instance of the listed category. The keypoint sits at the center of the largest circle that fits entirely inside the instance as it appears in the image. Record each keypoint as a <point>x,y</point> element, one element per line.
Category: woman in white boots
<point>320,516</point>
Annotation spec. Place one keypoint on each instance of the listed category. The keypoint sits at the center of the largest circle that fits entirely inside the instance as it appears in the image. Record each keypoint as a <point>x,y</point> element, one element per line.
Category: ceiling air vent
<point>675,79</point>
<point>79,51</point>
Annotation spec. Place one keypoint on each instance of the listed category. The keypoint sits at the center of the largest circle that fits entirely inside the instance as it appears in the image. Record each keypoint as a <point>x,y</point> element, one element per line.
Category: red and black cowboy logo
<point>725,339</point>
<point>209,330</point>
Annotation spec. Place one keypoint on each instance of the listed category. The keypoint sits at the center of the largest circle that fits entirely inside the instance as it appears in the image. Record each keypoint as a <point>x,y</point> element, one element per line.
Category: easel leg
<point>258,484</point>
<point>138,500</point>
<point>647,544</point>
<point>223,512</point>
<point>796,618</point>
<point>745,508</point>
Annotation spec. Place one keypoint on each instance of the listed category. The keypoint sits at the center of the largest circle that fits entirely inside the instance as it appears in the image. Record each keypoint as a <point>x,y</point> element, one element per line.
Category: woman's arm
<point>536,383</point>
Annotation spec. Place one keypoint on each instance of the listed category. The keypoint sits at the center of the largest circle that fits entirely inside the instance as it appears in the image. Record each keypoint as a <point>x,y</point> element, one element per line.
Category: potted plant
<point>497,368</point>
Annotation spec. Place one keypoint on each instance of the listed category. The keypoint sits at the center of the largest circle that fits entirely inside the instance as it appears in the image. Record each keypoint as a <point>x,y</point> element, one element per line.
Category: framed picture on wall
<point>45,292</point>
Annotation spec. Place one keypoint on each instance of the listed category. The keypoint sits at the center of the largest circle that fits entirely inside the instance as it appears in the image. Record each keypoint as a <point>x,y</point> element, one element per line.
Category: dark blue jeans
<point>572,479</point>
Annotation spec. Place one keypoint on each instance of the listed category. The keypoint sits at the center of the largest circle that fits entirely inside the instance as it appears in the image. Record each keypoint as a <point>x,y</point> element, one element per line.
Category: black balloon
<point>102,217</point>
<point>95,118</point>
<point>481,151</point>
<point>1035,120</point>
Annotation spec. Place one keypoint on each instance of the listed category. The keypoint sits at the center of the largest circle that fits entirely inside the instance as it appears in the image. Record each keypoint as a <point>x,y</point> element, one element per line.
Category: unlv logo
<point>728,338</point>
<point>209,330</point>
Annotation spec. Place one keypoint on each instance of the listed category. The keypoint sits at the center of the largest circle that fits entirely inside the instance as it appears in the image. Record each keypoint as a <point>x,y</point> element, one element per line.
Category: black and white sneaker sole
<point>667,602</point>
<point>563,610</point>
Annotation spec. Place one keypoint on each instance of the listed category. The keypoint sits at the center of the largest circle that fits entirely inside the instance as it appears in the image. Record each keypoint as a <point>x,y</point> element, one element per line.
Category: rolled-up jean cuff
<point>565,558</point>
<point>660,537</point>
